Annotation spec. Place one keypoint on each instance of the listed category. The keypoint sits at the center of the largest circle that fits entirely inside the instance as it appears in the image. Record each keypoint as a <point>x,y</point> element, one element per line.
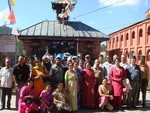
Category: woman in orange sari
<point>38,72</point>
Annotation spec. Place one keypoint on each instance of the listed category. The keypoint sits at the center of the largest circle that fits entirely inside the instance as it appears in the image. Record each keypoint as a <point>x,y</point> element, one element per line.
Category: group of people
<point>48,83</point>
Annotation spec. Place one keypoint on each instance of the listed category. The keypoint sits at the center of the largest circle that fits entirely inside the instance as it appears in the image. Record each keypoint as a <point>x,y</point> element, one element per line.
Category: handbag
<point>28,100</point>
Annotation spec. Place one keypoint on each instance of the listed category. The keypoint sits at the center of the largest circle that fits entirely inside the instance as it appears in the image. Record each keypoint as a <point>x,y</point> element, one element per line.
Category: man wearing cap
<point>145,78</point>
<point>57,72</point>
<point>74,59</point>
<point>134,76</point>
<point>6,82</point>
<point>88,60</point>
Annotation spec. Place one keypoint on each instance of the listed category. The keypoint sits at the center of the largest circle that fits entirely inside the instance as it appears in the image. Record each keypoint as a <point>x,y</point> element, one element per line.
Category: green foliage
<point>19,47</point>
<point>103,47</point>
<point>5,30</point>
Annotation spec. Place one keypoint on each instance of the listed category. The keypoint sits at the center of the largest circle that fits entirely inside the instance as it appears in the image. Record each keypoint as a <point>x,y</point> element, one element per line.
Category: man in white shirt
<point>6,82</point>
<point>106,68</point>
<point>123,62</point>
<point>126,83</point>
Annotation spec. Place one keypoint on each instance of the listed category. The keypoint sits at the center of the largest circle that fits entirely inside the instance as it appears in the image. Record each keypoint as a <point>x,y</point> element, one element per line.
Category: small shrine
<point>62,35</point>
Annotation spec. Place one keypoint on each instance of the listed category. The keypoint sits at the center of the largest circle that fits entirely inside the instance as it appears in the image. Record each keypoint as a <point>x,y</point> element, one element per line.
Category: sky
<point>103,18</point>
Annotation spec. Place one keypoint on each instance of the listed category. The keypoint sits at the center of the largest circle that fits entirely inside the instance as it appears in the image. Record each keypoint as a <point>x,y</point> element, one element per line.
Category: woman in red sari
<point>88,91</point>
<point>117,75</point>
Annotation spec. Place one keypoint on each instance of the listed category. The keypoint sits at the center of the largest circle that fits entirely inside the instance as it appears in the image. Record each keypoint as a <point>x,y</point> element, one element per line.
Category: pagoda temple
<point>62,35</point>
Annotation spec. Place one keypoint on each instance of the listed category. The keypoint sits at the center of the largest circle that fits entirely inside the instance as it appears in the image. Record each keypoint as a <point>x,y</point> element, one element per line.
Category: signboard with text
<point>7,43</point>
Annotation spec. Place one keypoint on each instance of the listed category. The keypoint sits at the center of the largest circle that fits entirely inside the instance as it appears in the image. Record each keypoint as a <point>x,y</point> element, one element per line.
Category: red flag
<point>12,17</point>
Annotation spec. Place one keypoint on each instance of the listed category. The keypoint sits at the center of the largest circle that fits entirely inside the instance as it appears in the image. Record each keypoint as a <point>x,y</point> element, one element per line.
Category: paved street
<point>138,110</point>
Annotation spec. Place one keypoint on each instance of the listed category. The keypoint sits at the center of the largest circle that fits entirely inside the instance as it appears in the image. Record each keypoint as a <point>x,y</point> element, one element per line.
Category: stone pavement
<point>137,110</point>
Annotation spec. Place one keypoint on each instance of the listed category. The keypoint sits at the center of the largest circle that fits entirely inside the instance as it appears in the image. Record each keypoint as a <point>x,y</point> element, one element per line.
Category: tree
<point>103,48</point>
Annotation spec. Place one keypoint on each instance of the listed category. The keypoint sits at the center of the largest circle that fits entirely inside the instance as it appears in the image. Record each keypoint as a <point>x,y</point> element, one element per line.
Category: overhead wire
<point>99,9</point>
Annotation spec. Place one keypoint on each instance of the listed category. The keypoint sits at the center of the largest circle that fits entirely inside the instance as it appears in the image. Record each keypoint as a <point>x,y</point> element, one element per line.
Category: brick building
<point>132,40</point>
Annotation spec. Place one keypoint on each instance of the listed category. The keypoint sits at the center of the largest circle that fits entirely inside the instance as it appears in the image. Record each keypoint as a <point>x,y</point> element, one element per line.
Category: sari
<point>39,84</point>
<point>72,82</point>
<point>46,97</point>
<point>88,88</point>
<point>26,105</point>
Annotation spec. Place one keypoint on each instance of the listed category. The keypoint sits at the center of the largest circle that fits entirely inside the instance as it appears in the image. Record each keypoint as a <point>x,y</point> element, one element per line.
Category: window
<point>148,30</point>
<point>140,33</point>
<point>133,35</point>
<point>113,40</point>
<point>121,37</point>
<point>127,36</point>
<point>117,39</point>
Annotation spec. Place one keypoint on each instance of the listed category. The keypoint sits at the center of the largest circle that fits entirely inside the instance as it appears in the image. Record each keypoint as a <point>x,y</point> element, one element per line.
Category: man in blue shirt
<point>134,76</point>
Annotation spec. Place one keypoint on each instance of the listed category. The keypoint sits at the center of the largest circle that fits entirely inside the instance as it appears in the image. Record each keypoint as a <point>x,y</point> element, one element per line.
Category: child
<point>46,99</point>
<point>60,98</point>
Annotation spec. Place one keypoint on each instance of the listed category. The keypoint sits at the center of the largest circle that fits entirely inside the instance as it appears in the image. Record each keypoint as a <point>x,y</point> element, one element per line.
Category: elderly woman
<point>71,86</point>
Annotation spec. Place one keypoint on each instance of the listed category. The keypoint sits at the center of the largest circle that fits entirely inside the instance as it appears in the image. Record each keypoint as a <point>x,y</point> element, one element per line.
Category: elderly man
<point>98,76</point>
<point>126,82</point>
<point>46,63</point>
<point>6,77</point>
<point>123,62</point>
<point>134,76</point>
<point>88,60</point>
<point>98,73</point>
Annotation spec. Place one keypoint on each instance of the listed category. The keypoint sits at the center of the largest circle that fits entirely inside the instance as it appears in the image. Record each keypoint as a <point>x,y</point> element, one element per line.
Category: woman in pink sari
<point>105,93</point>
<point>26,101</point>
<point>88,88</point>
<point>117,75</point>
